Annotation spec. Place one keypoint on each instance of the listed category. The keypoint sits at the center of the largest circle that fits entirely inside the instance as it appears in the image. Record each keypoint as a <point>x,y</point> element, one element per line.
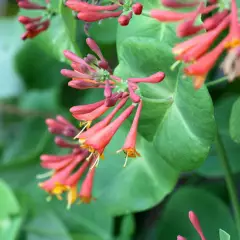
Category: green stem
<point>215,82</point>
<point>229,180</point>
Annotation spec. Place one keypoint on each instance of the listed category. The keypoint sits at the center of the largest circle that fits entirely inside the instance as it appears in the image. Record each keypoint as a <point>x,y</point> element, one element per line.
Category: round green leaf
<point>46,225</point>
<point>141,185</point>
<point>211,211</point>
<point>177,118</point>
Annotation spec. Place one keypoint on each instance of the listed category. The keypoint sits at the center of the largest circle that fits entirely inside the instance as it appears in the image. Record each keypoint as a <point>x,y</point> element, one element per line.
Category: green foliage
<point>10,214</point>
<point>234,128</point>
<point>223,235</point>
<point>211,211</point>
<point>212,166</point>
<point>176,118</point>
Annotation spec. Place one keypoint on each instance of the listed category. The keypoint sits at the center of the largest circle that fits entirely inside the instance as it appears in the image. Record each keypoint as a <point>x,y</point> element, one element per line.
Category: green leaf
<point>40,101</point>
<point>212,166</point>
<point>10,84</point>
<point>92,219</point>
<point>176,118</point>
<point>105,31</point>
<point>26,143</point>
<point>234,119</point>
<point>10,218</point>
<point>84,237</point>
<point>38,69</point>
<point>223,235</point>
<point>141,185</point>
<point>127,228</point>
<point>211,211</point>
<point>62,33</point>
<point>46,225</point>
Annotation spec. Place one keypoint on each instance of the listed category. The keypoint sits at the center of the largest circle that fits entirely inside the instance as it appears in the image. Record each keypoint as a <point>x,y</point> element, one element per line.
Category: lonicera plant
<point>167,51</point>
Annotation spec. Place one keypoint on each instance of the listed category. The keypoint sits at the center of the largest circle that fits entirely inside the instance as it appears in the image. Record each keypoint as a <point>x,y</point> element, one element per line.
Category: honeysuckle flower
<point>172,16</point>
<point>204,64</point>
<point>234,33</point>
<point>187,27</point>
<point>121,9</point>
<point>34,26</point>
<point>97,142</point>
<point>68,169</point>
<point>178,4</point>
<point>196,224</point>
<point>194,48</point>
<point>212,22</point>
<point>129,147</point>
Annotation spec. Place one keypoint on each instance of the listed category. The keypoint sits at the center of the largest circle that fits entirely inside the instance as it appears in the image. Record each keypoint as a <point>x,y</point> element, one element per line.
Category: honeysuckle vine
<point>199,52</point>
<point>88,143</point>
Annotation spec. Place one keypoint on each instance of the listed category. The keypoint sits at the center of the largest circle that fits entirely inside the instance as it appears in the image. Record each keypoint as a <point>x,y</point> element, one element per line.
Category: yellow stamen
<point>235,42</point>
<point>72,196</point>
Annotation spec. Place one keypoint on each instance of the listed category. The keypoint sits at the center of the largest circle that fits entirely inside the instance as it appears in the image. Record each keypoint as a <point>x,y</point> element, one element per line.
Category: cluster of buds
<point>36,25</point>
<point>121,9</point>
<point>194,52</point>
<point>195,222</point>
<point>88,144</point>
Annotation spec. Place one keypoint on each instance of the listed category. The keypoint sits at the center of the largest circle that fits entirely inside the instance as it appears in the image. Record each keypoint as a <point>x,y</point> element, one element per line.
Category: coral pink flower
<point>202,66</point>
<point>129,147</point>
<point>178,4</point>
<point>98,141</point>
<point>234,34</point>
<point>33,26</point>
<point>86,189</point>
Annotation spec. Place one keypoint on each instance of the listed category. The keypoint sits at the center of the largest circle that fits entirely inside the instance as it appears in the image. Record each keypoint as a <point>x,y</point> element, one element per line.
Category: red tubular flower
<point>155,78</point>
<point>30,5</point>
<point>86,189</point>
<point>90,116</point>
<point>102,124</point>
<point>202,46</point>
<point>129,147</point>
<point>98,141</point>
<point>92,13</point>
<point>33,26</point>
<point>234,34</point>
<point>202,66</point>
<point>83,84</point>
<point>67,170</point>
<point>187,27</point>
<point>170,16</point>
<point>195,222</point>
<point>84,6</point>
<point>82,109</point>
<point>181,238</point>
<point>212,22</point>
<point>96,16</point>
<point>177,4</point>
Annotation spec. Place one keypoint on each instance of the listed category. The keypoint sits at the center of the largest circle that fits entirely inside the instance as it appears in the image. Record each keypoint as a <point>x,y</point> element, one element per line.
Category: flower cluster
<point>34,26</point>
<point>121,9</point>
<point>88,143</point>
<point>195,52</point>
<point>195,222</point>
